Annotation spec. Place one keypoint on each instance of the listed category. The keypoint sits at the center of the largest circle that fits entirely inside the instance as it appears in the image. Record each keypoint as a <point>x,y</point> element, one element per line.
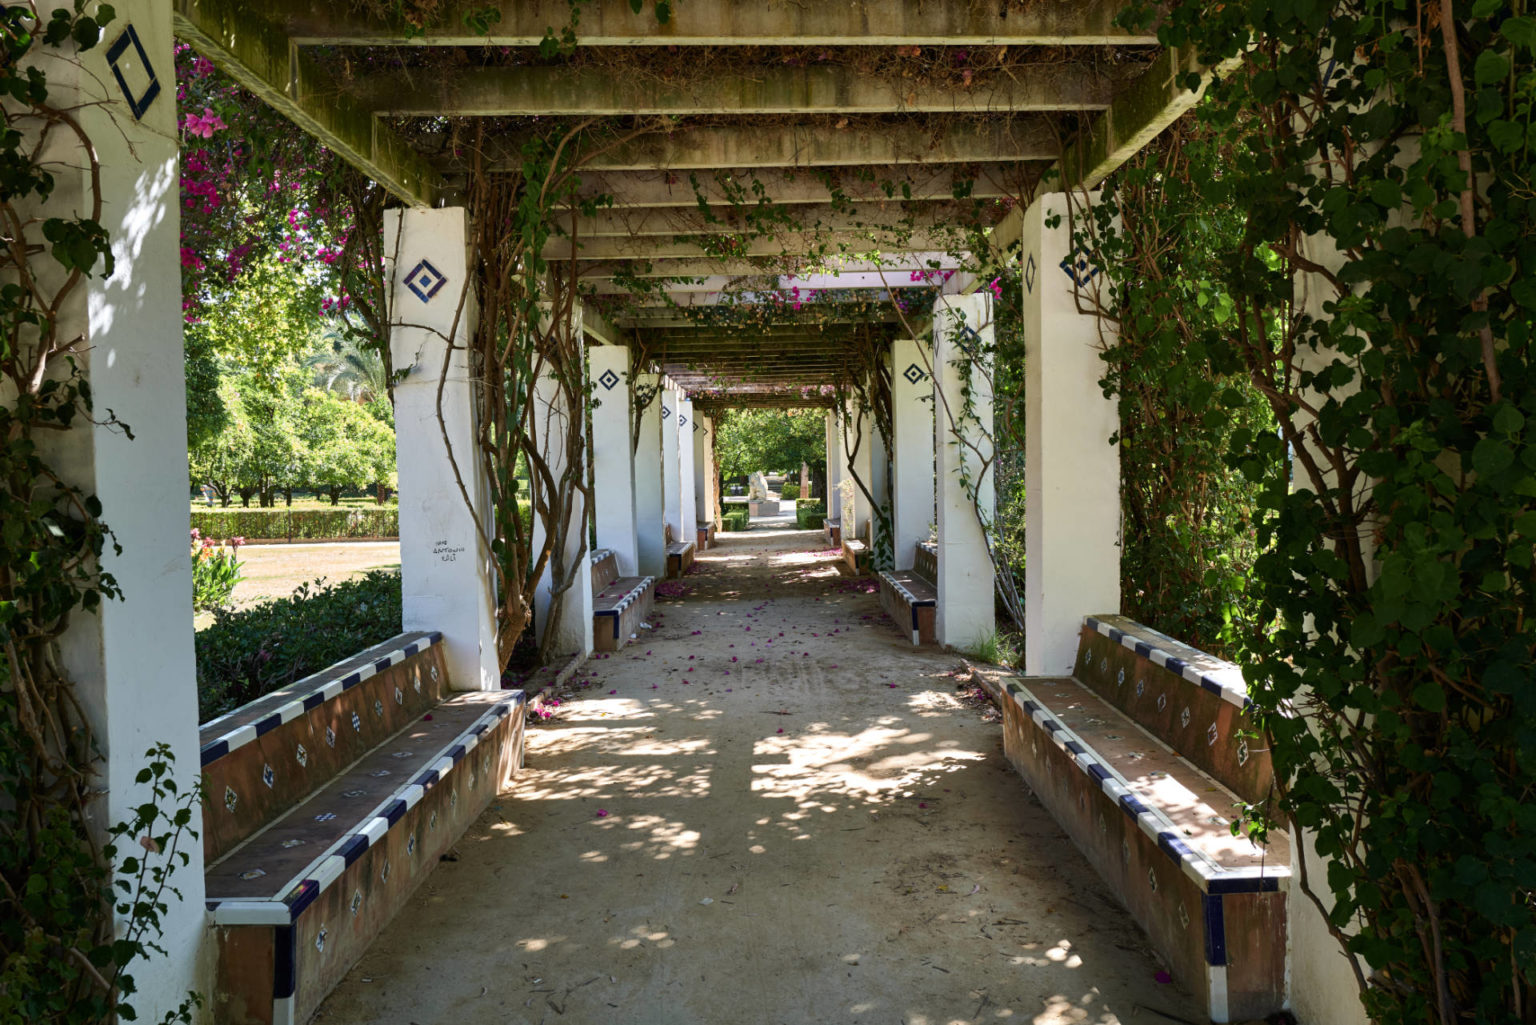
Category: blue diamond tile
<point>682,421</point>
<point>609,380</point>
<point>666,414</point>
<point>425,280</point>
<point>913,373</point>
<point>135,75</point>
<point>1078,267</point>
<point>1029,274</point>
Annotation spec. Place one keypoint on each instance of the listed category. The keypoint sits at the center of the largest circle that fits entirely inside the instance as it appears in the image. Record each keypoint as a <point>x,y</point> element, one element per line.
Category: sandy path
<point>769,810</point>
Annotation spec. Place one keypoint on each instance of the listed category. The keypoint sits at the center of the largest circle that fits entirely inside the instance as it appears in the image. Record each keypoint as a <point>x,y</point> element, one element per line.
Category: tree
<point>343,366</point>
<point>747,440</point>
<point>347,444</point>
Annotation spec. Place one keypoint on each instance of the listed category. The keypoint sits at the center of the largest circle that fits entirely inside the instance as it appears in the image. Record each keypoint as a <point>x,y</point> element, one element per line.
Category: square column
<point>446,571</point>
<point>131,661</point>
<point>687,480</point>
<point>834,496</point>
<point>650,521</point>
<point>912,440</point>
<point>671,480</point>
<point>859,429</point>
<point>1072,472</point>
<point>962,384</point>
<point>704,469</point>
<point>556,416</point>
<point>613,467</point>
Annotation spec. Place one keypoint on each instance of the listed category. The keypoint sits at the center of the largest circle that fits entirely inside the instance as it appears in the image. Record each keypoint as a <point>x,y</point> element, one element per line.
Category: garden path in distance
<point>768,809</point>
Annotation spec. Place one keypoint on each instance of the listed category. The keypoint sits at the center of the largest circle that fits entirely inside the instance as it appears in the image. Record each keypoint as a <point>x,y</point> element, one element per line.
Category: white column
<point>446,571</point>
<point>703,469</point>
<point>834,497</point>
<point>860,428</point>
<point>613,467</point>
<point>962,441</point>
<point>1072,473</point>
<point>912,439</point>
<point>555,418</point>
<point>671,483</point>
<point>687,500</point>
<point>650,522</point>
<point>132,660</point>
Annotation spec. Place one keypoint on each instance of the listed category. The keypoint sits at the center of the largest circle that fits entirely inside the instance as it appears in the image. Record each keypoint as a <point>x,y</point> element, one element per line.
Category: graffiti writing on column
<point>445,551</point>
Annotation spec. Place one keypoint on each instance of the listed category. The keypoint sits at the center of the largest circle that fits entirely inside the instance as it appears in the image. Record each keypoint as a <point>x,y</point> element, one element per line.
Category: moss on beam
<point>264,61</point>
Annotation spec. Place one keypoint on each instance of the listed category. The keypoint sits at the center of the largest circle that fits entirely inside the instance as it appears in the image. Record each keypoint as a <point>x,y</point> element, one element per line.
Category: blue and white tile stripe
<point>1226,682</point>
<point>319,874</point>
<point>913,601</point>
<point>1211,877</point>
<point>634,595</point>
<point>599,554</point>
<point>327,684</point>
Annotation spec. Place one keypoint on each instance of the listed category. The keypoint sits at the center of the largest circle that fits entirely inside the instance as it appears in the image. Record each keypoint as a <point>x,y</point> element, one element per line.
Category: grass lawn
<point>273,571</point>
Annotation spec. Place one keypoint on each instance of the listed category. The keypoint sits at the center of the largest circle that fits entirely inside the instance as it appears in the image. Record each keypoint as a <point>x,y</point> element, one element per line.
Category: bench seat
<point>911,602</point>
<point>832,530</point>
<point>296,905</point>
<point>619,609</point>
<point>856,555</point>
<point>1146,779</point>
<point>679,559</point>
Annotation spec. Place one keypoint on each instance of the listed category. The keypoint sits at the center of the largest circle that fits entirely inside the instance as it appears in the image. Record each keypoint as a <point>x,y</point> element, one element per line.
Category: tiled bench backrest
<point>265,757</point>
<point>925,562</point>
<point>1192,701</point>
<point>605,569</point>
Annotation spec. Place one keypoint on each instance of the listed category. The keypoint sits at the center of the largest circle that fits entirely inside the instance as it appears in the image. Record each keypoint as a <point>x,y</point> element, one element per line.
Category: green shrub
<point>308,524</point>
<point>810,515</point>
<point>246,654</point>
<point>788,491</point>
<point>215,572</point>
<point>736,519</point>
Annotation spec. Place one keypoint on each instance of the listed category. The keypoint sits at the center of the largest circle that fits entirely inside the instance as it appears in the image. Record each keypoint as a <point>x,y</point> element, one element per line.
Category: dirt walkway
<point>768,810</point>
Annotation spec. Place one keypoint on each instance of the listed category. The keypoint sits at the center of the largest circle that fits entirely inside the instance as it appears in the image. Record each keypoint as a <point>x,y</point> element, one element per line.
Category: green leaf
<point>1521,31</point>
<point>637,5</point>
<point>1492,67</point>
<point>1491,456</point>
<point>1429,696</point>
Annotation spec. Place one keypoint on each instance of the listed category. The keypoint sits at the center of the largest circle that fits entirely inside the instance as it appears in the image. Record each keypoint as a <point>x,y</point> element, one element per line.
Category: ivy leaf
<point>1428,696</point>
<point>1491,67</point>
<point>1491,456</point>
<point>1507,136</point>
<point>636,5</point>
<point>1521,31</point>
<point>663,11</point>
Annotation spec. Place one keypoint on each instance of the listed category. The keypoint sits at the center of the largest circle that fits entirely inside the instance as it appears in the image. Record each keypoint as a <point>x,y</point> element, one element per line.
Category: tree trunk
<point>336,495</point>
<point>245,496</point>
<point>288,497</point>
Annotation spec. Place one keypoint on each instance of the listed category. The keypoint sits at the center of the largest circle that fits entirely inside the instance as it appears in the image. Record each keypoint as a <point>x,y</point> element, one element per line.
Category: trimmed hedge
<point>736,519</point>
<point>810,515</point>
<point>246,654</point>
<point>789,491</point>
<point>308,524</point>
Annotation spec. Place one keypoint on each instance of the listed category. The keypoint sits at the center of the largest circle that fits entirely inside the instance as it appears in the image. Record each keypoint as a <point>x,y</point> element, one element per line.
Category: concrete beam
<point>723,23</point>
<point>825,89</point>
<point>735,220</point>
<point>694,267</point>
<point>742,185</point>
<point>598,328</point>
<point>245,46</point>
<point>663,247</point>
<point>1000,140</point>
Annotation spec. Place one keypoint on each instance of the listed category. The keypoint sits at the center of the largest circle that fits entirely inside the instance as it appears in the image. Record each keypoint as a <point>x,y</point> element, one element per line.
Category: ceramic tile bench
<point>911,596</point>
<point>833,531</point>
<point>1142,757</point>
<point>619,604</point>
<point>679,559</point>
<point>328,803</point>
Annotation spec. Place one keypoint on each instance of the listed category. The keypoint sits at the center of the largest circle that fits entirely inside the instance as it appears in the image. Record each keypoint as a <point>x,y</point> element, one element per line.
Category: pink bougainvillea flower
<point>613,692</point>
<point>602,813</point>
<point>781,729</point>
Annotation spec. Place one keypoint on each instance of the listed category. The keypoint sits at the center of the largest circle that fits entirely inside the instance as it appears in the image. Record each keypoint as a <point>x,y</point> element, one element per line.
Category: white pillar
<point>555,417</point>
<point>703,469</point>
<point>687,501</point>
<point>671,484</point>
<point>613,467</point>
<point>860,430</point>
<point>1072,473</point>
<point>446,571</point>
<point>132,660</point>
<point>650,522</point>
<point>965,492</point>
<point>834,497</point>
<point>912,439</point>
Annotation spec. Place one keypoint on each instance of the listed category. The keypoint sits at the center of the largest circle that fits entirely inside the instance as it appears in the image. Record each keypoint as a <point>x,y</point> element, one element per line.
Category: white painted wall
<point>687,500</point>
<point>834,467</point>
<point>650,524</point>
<point>446,568</point>
<point>555,417</point>
<point>613,466</point>
<point>132,660</point>
<point>671,481</point>
<point>965,611</point>
<point>1072,473</point>
<point>859,429</point>
<point>703,469</point>
<point>912,438</point>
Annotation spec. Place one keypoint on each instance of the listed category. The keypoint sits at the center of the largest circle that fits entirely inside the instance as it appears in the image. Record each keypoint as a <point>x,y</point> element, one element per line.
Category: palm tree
<point>344,367</point>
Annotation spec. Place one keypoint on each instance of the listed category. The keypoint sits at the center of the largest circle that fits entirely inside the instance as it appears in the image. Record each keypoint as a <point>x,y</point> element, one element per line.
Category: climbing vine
<point>1382,302</point>
<point>63,959</point>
